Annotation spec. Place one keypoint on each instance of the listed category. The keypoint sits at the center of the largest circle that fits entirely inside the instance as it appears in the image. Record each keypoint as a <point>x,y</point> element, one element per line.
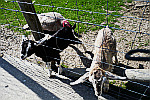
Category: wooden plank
<point>114,91</point>
<point>132,74</point>
<point>140,5</point>
<point>138,74</point>
<point>31,19</point>
<point>120,71</point>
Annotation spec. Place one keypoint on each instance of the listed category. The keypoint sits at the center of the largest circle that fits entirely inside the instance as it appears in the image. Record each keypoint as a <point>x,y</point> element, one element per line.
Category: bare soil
<point>74,55</point>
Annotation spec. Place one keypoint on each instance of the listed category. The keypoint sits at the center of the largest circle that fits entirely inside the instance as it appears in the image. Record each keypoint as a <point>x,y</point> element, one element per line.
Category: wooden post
<point>138,74</point>
<point>31,19</point>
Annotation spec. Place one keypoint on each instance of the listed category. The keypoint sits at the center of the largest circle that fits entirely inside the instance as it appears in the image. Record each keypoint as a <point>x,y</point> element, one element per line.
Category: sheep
<point>51,21</point>
<point>99,72</point>
<point>50,48</point>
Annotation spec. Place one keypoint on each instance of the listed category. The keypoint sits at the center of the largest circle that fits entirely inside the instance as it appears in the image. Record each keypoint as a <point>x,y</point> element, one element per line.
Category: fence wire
<point>77,21</point>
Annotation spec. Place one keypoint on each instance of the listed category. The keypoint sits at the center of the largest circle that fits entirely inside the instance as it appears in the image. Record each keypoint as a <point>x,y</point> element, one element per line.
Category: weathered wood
<point>131,74</point>
<point>120,71</point>
<point>31,19</point>
<point>140,5</point>
<point>138,74</point>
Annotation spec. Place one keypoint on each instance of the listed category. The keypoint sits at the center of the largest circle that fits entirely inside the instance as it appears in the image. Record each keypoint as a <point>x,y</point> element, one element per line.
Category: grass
<point>17,19</point>
<point>65,66</point>
<point>118,83</point>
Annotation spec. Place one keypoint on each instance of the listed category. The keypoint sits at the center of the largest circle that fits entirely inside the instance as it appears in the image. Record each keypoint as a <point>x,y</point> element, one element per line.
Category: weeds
<point>118,83</point>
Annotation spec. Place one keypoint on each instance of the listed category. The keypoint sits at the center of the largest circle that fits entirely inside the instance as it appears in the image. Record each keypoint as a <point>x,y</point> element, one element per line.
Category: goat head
<point>26,47</point>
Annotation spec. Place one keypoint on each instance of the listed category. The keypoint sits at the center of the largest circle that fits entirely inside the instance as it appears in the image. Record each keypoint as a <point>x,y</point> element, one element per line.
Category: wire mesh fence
<point>130,32</point>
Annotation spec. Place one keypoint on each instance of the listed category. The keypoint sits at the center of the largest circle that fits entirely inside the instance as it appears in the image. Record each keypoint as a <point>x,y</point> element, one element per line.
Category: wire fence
<point>69,56</point>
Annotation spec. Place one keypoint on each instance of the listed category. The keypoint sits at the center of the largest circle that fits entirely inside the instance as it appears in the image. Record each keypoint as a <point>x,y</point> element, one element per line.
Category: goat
<point>51,21</point>
<point>50,48</point>
<point>105,47</point>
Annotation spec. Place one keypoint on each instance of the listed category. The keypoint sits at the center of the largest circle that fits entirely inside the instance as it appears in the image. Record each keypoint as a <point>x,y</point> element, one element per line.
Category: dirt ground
<point>21,80</point>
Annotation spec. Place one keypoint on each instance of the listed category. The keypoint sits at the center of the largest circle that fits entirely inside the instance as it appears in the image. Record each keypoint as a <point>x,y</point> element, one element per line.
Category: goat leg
<point>59,68</point>
<point>116,60</point>
<point>106,86</point>
<point>49,69</point>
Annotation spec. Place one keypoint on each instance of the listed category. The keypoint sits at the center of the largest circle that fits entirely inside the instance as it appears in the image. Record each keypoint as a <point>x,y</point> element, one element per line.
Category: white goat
<point>105,47</point>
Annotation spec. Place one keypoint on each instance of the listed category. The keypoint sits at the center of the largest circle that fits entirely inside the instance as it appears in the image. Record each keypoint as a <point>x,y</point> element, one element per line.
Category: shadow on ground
<point>83,91</point>
<point>86,62</point>
<point>41,92</point>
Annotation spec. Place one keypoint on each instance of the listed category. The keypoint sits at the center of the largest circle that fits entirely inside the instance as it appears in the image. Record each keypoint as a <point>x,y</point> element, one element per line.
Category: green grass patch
<point>39,62</point>
<point>118,83</point>
<point>65,66</point>
<point>129,1</point>
<point>17,19</point>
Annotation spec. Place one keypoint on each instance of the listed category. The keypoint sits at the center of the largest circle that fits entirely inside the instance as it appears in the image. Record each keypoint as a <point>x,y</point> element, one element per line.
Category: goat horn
<point>107,26</point>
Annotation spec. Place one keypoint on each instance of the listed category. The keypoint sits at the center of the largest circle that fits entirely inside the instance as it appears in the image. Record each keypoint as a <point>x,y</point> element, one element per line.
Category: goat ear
<point>107,26</point>
<point>113,76</point>
<point>24,38</point>
<point>74,26</point>
<point>81,79</point>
